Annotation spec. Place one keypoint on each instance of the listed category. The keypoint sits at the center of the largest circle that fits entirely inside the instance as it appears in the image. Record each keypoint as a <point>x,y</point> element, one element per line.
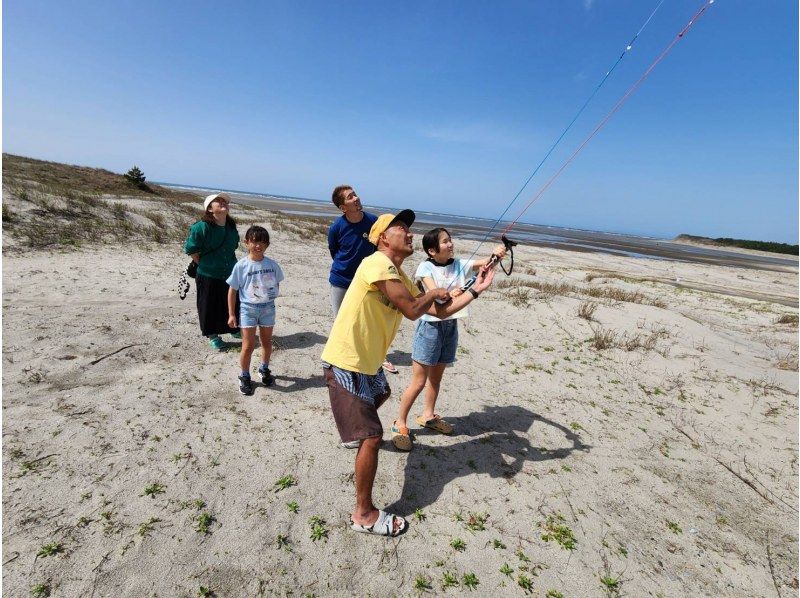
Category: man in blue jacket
<point>348,242</point>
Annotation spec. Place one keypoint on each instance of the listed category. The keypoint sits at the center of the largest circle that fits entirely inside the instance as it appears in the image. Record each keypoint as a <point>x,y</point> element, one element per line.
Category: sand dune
<point>651,450</point>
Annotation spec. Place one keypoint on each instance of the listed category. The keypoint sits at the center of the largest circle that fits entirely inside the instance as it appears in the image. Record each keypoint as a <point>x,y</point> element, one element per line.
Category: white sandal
<point>383,526</point>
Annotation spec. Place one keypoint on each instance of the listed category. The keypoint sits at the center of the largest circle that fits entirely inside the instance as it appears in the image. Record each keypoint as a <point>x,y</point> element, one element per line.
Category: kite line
<point>603,122</point>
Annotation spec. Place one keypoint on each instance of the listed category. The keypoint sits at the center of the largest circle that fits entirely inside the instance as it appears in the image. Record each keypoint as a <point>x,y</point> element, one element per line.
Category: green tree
<point>136,176</point>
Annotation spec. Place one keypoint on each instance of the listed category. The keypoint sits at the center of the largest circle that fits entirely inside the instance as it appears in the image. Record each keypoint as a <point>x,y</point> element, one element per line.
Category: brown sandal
<point>401,437</point>
<point>437,424</point>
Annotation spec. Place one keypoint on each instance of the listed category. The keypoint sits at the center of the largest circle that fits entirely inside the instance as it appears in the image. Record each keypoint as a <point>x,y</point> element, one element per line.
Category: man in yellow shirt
<point>367,322</point>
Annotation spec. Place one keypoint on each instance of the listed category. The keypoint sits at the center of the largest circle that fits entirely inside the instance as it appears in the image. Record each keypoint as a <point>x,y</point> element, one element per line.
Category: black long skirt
<point>212,306</point>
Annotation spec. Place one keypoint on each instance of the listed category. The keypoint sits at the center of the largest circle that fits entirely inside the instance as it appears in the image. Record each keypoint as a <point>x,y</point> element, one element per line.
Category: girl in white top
<point>435,340</point>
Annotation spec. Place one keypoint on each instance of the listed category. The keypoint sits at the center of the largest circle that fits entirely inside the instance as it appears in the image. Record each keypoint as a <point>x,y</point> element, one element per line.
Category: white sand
<point>622,445</point>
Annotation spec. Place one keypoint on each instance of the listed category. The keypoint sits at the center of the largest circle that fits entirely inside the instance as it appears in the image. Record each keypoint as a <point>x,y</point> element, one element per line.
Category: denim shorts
<point>257,314</point>
<point>435,342</point>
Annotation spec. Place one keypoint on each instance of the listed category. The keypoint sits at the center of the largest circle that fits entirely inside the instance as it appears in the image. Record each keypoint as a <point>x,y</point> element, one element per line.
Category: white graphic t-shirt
<point>257,282</point>
<point>458,270</point>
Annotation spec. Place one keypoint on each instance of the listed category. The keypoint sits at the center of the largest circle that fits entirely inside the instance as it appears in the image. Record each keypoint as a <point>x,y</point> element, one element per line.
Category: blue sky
<point>445,106</point>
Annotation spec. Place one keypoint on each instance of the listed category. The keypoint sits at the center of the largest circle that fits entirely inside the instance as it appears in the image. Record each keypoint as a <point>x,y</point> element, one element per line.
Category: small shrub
<point>784,319</point>
<point>458,544</point>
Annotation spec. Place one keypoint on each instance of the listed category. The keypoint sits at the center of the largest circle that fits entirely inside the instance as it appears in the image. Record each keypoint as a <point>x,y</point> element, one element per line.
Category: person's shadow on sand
<point>298,340</point>
<point>499,454</point>
<point>293,383</point>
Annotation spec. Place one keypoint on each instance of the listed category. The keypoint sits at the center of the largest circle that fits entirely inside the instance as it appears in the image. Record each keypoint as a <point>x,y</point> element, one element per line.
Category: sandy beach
<point>624,426</point>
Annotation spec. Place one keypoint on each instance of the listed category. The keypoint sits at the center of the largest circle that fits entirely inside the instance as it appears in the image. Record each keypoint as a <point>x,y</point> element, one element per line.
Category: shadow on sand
<point>499,454</point>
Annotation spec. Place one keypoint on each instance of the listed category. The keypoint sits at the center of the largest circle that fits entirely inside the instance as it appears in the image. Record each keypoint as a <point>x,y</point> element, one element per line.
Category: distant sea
<point>483,229</point>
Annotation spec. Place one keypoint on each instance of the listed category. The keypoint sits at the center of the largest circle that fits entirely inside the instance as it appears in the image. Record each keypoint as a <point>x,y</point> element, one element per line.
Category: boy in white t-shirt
<point>257,280</point>
<point>435,340</point>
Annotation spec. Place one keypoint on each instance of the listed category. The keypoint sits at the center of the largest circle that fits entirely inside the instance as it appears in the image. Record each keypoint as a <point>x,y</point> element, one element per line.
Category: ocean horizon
<point>488,230</point>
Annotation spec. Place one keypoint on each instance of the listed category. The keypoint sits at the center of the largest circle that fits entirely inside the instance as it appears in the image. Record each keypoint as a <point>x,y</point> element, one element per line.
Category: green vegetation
<point>470,580</point>
<point>293,507</point>
<point>611,585</point>
<point>449,580</point>
<point>319,531</point>
<point>146,527</point>
<point>136,177</point>
<point>674,527</point>
<point>203,522</point>
<point>285,482</point>
<point>41,590</point>
<point>153,489</point>
<point>422,583</point>
<point>525,583</point>
<point>477,522</point>
<point>458,544</point>
<point>50,549</point>
<point>770,246</point>
<point>558,532</point>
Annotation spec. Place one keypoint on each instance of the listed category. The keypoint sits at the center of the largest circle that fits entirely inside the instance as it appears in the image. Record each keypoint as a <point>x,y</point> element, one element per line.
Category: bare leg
<point>265,334</point>
<point>248,345</point>
<point>419,373</point>
<point>435,373</point>
<point>365,512</point>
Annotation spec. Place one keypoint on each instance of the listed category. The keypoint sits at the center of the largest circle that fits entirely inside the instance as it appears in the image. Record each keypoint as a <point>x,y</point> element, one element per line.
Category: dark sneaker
<point>245,385</point>
<point>267,379</point>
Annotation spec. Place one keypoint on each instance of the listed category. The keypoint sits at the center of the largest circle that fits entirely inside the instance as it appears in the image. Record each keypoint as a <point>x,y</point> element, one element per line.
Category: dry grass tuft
<point>518,296</point>
<point>586,310</point>
<point>549,289</point>
<point>307,227</point>
<point>788,319</point>
<point>603,338</point>
<point>788,363</point>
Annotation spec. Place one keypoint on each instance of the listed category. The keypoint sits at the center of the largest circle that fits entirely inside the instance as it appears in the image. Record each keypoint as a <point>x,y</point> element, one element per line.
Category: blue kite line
<point>563,133</point>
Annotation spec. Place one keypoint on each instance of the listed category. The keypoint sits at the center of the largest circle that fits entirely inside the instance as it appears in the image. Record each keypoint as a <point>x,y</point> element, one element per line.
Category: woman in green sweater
<point>212,245</point>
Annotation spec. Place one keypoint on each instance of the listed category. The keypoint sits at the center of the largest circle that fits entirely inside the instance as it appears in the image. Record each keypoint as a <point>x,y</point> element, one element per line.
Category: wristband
<point>475,294</point>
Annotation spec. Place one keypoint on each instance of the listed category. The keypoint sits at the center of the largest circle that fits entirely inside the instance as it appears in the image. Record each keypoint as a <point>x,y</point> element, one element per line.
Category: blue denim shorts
<point>435,342</point>
<point>257,314</point>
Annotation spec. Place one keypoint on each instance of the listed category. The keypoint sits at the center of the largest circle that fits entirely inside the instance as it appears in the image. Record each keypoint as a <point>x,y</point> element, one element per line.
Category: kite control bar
<point>496,260</point>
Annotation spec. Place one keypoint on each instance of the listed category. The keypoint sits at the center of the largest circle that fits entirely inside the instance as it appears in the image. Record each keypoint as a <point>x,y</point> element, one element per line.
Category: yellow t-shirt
<point>367,321</point>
